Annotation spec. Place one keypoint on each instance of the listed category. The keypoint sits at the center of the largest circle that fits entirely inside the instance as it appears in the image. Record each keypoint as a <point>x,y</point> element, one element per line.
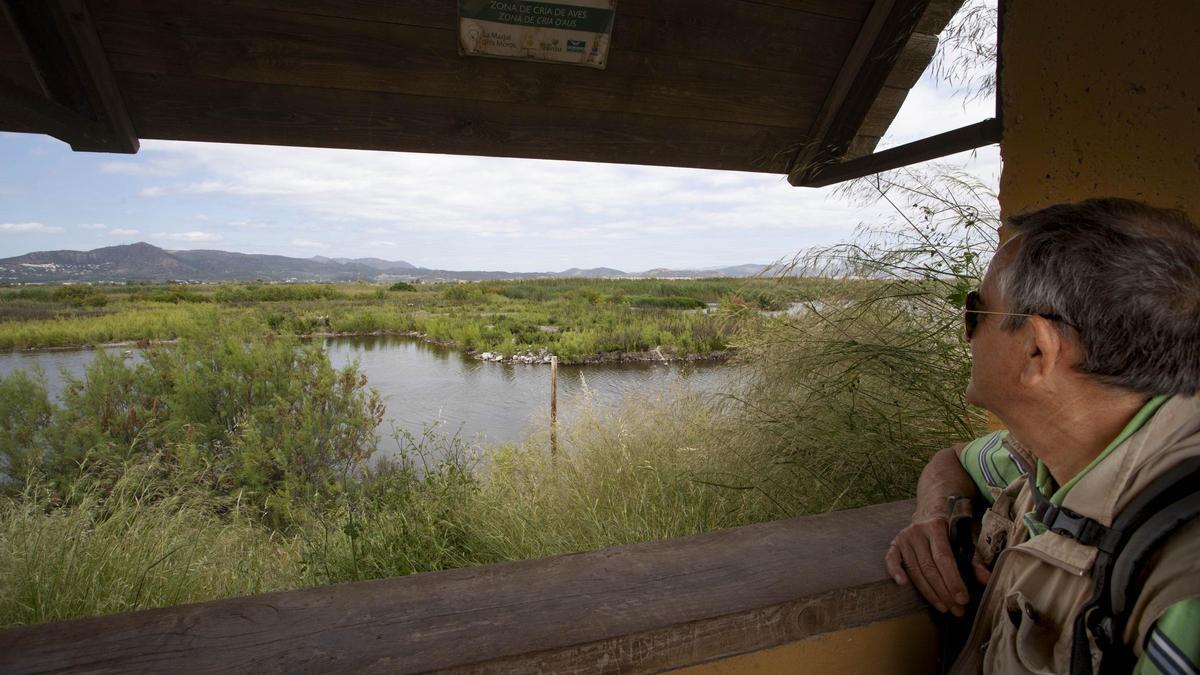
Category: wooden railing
<point>704,599</point>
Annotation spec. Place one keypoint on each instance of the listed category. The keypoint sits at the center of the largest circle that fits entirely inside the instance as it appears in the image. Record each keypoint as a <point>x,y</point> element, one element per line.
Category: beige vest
<point>1026,617</point>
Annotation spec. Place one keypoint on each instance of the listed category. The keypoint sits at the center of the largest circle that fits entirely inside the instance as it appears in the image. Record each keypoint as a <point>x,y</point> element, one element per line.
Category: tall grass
<point>647,470</point>
<point>650,469</point>
<point>130,547</point>
<point>130,323</point>
<point>405,515</point>
<point>852,397</point>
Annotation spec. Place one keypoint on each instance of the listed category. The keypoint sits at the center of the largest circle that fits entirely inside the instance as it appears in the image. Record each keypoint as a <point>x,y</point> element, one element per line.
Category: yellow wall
<point>902,646</point>
<point>1101,98</point>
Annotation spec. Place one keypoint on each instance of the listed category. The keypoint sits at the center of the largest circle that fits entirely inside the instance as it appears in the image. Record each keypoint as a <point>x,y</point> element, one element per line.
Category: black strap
<point>1068,523</point>
<point>1158,510</point>
<point>1127,567</point>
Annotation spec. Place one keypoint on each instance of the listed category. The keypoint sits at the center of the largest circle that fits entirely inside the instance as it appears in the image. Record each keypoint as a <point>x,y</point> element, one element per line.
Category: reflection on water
<point>54,364</point>
<point>424,384</point>
<point>499,402</point>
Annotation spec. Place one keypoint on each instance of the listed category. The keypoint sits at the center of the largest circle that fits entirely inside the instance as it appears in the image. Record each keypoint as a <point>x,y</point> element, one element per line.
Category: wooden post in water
<point>553,406</point>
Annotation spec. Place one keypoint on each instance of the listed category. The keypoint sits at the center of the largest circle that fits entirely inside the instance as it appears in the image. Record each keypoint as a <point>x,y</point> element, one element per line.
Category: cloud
<point>145,167</point>
<point>93,226</point>
<point>400,194</point>
<point>193,236</point>
<point>250,224</point>
<point>29,227</point>
<point>449,210</point>
<point>308,243</point>
<point>122,232</point>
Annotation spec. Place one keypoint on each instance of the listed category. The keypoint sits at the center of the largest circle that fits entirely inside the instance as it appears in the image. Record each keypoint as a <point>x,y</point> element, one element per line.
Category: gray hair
<point>1126,277</point>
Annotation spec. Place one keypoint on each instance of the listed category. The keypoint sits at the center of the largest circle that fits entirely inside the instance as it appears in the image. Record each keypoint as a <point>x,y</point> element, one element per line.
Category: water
<point>486,403</point>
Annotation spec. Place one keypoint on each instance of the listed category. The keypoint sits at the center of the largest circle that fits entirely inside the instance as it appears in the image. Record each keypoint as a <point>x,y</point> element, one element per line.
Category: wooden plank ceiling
<point>779,86</point>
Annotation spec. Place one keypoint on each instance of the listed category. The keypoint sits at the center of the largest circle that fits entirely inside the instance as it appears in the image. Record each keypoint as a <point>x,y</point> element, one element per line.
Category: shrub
<point>25,413</point>
<point>172,294</point>
<point>666,301</point>
<point>277,419</point>
<point>80,296</point>
<point>464,293</point>
<point>277,293</point>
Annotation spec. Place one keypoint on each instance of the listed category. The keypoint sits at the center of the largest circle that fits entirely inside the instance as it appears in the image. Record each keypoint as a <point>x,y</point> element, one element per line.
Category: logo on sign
<point>576,45</point>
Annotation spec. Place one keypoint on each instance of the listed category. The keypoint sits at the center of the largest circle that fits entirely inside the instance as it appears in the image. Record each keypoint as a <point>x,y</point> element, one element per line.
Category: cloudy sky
<point>438,211</point>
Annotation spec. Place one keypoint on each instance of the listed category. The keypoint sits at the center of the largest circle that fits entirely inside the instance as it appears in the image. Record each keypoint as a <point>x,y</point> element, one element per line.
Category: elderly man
<point>1085,340</point>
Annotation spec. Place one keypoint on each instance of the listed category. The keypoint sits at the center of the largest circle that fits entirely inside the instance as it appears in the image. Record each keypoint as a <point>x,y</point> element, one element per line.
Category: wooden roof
<point>778,86</point>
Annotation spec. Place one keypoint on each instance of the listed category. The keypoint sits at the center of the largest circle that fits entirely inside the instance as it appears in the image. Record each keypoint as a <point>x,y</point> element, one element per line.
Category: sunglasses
<point>971,312</point>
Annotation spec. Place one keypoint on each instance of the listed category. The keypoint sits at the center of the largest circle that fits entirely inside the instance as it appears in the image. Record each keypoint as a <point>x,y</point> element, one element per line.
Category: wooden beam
<point>969,137</point>
<point>69,62</point>
<point>640,608</point>
<point>845,81</point>
<point>32,111</point>
<point>223,111</point>
<point>864,73</point>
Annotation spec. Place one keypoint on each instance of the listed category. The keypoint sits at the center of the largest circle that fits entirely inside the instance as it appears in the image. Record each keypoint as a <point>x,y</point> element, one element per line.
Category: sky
<point>440,211</point>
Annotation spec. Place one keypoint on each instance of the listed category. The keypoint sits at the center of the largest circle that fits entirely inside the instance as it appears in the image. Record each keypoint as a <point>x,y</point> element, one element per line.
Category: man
<point>1085,344</point>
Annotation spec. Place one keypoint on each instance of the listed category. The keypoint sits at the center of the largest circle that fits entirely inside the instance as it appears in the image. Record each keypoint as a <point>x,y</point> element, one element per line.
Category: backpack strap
<point>1068,523</point>
<point>1161,508</point>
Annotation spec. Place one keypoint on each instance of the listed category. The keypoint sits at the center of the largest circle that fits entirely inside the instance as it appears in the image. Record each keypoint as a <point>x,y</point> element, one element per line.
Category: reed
<point>129,548</point>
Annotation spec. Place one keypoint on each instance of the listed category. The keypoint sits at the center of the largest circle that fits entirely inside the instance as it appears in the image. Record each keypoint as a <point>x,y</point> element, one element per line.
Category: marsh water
<point>428,386</point>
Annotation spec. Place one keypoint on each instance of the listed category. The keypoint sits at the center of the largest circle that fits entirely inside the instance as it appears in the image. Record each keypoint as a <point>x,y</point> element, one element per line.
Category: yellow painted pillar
<point>1100,99</point>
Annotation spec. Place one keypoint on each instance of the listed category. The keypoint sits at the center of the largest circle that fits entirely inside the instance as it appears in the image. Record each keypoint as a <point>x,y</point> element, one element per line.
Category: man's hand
<point>921,552</point>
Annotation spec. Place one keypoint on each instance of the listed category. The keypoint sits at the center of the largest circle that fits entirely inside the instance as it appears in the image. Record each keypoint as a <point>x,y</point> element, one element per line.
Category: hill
<point>146,262</point>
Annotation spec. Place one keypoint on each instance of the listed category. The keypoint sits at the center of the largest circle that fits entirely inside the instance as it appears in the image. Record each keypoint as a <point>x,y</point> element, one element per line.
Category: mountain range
<point>146,262</point>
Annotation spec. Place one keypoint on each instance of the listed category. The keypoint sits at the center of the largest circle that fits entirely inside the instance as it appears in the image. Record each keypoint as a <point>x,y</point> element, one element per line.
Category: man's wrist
<point>941,508</point>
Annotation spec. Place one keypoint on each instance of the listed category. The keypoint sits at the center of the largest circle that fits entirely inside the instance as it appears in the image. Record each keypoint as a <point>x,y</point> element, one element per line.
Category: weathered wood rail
<point>639,608</point>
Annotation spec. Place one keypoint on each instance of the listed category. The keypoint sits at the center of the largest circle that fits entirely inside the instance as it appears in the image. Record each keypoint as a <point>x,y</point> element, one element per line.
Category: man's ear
<point>1045,350</point>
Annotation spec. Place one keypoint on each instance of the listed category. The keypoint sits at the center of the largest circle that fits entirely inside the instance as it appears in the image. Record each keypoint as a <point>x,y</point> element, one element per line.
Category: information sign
<point>569,31</point>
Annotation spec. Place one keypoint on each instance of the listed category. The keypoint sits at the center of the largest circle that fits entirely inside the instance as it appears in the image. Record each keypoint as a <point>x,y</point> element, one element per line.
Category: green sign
<point>575,32</point>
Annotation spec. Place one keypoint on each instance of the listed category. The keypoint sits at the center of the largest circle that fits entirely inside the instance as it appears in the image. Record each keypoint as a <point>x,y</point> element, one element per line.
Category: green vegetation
<point>280,422</point>
<point>80,296</point>
<point>237,462</point>
<point>142,543</point>
<point>666,302</point>
<point>235,293</point>
<point>573,318</point>
<point>223,466</point>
